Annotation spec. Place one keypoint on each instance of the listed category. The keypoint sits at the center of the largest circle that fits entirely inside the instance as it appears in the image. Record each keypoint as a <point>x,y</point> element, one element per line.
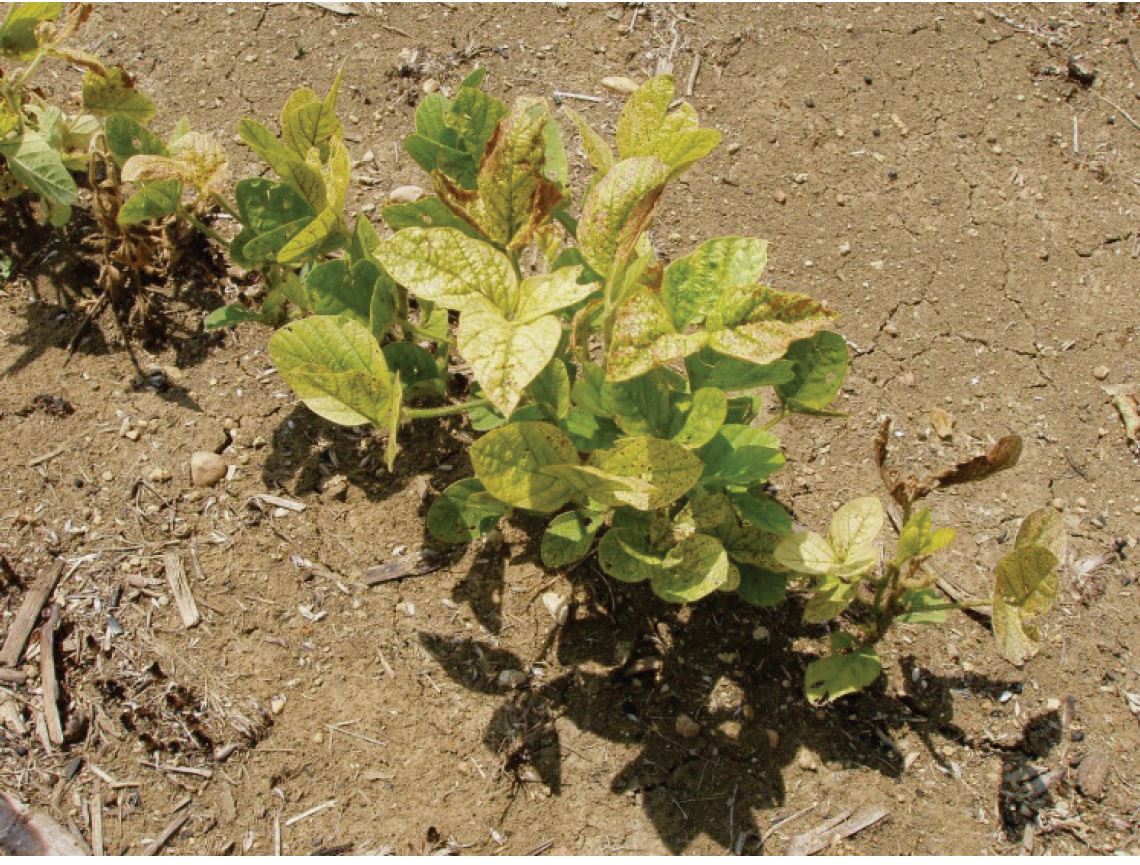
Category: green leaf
<point>694,284</point>
<point>618,209</point>
<point>115,93</point>
<point>707,410</point>
<point>127,137</point>
<point>271,214</point>
<point>37,165</point>
<point>551,388</point>
<point>1025,588</point>
<point>305,180</point>
<point>837,675</point>
<point>740,455</point>
<point>643,406</point>
<point>762,511</point>
<point>919,538</point>
<point>744,409</point>
<point>335,290</point>
<point>916,604</point>
<point>597,151</point>
<point>850,550</point>
<point>18,32</point>
<point>759,325</point>
<point>761,587</point>
<point>429,212</point>
<point>621,555</point>
<point>668,469</point>
<point>830,597</point>
<point>512,463</point>
<point>589,432</point>
<point>591,392</point>
<point>449,268</point>
<point>820,365</point>
<point>701,569</point>
<point>567,540</point>
<point>464,512</point>
<point>309,238</point>
<point>230,315</point>
<point>644,337</point>
<point>708,368</point>
<point>417,368</point>
<point>156,200</point>
<point>337,369</point>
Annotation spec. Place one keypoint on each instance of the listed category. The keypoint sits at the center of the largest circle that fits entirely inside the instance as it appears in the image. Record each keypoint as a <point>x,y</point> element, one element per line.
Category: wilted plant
<point>847,569</point>
<point>42,145</point>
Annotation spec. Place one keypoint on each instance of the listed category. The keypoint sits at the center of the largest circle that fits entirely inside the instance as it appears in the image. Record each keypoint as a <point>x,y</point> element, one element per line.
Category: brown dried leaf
<point>1001,456</point>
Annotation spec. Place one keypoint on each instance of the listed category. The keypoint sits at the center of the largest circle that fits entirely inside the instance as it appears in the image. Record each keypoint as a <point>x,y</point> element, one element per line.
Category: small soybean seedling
<point>846,567</point>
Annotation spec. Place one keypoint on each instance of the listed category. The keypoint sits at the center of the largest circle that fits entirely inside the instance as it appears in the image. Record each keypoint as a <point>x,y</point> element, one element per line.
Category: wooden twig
<point>693,72</point>
<point>13,677</point>
<point>1123,113</point>
<point>180,586</point>
<point>835,829</point>
<point>564,94</point>
<point>316,809</point>
<point>95,808</point>
<point>166,834</point>
<point>48,681</point>
<point>29,613</point>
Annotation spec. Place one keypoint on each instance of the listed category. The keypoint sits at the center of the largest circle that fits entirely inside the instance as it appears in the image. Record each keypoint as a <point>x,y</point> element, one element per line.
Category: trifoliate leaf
<point>829,597</point>
<point>762,588</point>
<point>621,555</point>
<point>919,537</point>
<point>37,165</point>
<point>740,455</point>
<point>707,409</point>
<point>506,356</point>
<point>114,93</point>
<point>761,510</point>
<point>156,200</point>
<point>759,325</point>
<point>644,337</point>
<point>855,528</point>
<point>667,468</point>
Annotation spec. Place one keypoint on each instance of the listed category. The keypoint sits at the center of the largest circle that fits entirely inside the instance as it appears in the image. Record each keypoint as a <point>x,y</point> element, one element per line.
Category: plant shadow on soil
<point>638,663</point>
<point>63,267</point>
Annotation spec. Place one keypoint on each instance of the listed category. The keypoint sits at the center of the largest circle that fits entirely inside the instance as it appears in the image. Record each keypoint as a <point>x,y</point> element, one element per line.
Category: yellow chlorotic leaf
<point>449,268</point>
<point>644,337</point>
<point>668,468</point>
<point>514,196</point>
<point>856,524</point>
<point>618,209</point>
<point>506,356</point>
<point>548,292</point>
<point>593,145</point>
<point>1025,587</point>
<point>639,125</point>
<point>512,461</point>
<point>764,323</point>
<point>806,553</point>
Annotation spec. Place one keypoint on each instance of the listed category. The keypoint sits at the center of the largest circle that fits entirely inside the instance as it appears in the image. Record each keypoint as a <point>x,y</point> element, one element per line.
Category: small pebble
<point>1100,373</point>
<point>733,148</point>
<point>511,678</point>
<point>1058,504</point>
<point>108,476</point>
<point>845,248</point>
<point>779,196</point>
<point>686,727</point>
<point>760,633</point>
<point>405,194</point>
<point>773,738</point>
<point>206,468</point>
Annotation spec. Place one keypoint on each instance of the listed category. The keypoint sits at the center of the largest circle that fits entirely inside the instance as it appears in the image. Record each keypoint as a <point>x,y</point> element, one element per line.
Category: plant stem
<point>970,604</point>
<point>223,205</point>
<point>444,410</point>
<point>201,226</point>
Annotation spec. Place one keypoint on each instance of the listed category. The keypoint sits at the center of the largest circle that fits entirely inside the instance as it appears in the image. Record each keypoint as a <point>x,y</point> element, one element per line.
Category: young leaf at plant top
<point>847,553</point>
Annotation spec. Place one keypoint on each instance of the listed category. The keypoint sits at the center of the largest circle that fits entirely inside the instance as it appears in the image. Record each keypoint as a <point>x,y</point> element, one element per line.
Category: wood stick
<point>822,837</point>
<point>180,586</point>
<point>48,681</point>
<point>29,612</point>
<point>166,834</point>
<point>13,677</point>
<point>95,806</point>
<point>693,72</point>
